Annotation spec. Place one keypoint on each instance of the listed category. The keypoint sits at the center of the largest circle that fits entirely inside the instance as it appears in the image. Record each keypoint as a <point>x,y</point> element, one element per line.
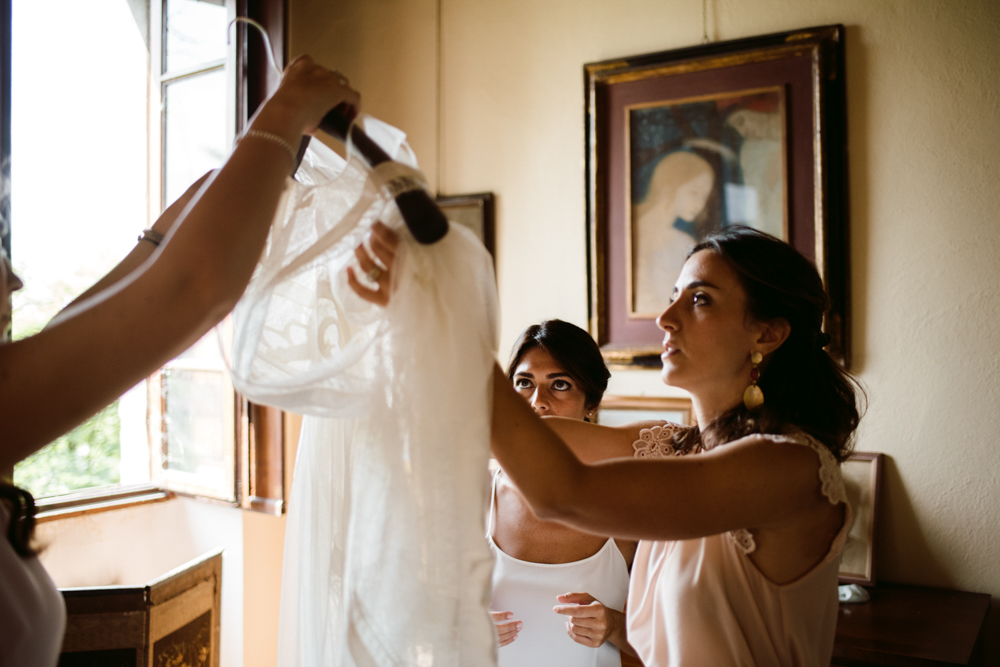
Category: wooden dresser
<point>172,620</point>
<point>912,625</point>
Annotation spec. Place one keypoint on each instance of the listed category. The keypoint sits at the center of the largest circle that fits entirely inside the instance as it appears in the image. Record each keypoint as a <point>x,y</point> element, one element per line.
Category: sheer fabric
<point>384,558</point>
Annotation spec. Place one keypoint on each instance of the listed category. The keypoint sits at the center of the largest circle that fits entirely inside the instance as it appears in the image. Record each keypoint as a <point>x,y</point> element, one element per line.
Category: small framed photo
<point>476,212</point>
<point>621,410</point>
<point>862,476</point>
<point>680,144</point>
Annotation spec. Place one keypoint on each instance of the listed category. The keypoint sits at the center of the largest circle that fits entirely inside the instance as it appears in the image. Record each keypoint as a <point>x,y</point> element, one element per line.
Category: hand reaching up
<point>384,242</point>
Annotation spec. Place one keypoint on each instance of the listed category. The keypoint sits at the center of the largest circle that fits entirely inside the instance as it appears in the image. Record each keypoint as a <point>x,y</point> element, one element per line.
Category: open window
<point>93,160</point>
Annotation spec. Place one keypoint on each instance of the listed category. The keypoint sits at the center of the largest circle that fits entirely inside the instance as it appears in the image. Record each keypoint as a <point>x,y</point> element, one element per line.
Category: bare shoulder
<point>762,450</point>
<point>779,469</point>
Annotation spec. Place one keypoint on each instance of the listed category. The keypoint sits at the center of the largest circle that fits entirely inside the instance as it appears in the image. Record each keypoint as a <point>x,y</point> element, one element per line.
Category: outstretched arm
<point>754,483</point>
<point>54,380</point>
<point>588,485</point>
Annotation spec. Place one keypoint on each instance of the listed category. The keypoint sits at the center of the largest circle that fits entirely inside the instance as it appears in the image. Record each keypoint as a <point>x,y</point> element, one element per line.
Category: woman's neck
<point>708,408</point>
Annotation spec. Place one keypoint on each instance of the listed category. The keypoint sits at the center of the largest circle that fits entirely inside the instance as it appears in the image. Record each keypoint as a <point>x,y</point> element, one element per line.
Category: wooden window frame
<point>260,429</point>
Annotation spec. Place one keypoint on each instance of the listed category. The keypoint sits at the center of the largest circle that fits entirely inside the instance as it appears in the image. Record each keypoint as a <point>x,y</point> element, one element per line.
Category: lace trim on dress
<point>831,481</point>
<point>658,442</point>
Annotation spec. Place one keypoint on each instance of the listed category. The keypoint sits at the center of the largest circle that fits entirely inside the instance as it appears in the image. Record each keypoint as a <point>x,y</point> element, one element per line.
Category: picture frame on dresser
<point>685,142</point>
<point>863,479</point>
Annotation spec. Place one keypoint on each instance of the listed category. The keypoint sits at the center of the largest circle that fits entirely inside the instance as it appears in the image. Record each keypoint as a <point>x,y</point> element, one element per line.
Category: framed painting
<point>620,410</point>
<point>683,143</point>
<point>863,477</point>
<point>476,212</point>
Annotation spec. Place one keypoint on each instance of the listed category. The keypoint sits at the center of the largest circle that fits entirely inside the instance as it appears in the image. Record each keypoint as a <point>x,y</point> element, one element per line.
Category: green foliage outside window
<point>86,457</point>
<point>89,455</point>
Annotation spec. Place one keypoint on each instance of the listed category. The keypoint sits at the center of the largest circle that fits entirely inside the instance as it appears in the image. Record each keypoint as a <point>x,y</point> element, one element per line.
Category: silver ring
<point>340,77</point>
<point>375,274</point>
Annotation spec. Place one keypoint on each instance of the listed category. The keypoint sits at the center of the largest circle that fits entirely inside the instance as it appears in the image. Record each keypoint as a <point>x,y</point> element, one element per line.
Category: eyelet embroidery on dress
<point>744,540</point>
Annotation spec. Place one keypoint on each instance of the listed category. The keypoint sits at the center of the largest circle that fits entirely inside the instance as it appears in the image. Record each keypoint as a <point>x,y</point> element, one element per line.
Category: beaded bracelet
<point>292,153</point>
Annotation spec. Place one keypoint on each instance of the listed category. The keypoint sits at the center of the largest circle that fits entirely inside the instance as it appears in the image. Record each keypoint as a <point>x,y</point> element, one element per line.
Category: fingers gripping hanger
<point>422,216</point>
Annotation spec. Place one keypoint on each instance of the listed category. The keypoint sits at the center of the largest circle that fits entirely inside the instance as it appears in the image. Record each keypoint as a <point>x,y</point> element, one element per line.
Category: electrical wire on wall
<point>704,21</point>
<point>437,152</point>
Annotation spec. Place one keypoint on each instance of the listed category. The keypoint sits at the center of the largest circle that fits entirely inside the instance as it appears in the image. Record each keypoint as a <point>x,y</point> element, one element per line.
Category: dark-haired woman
<point>180,280</point>
<point>741,523</point>
<point>549,579</point>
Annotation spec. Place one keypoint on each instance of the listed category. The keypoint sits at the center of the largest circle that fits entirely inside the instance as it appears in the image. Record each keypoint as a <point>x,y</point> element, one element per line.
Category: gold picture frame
<point>713,106</point>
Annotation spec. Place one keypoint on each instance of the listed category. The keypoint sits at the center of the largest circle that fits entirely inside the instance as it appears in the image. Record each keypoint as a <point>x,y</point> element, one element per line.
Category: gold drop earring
<point>753,397</point>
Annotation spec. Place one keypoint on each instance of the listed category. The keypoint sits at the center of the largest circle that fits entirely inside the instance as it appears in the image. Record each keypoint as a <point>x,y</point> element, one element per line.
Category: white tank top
<point>529,590</point>
<point>32,611</point>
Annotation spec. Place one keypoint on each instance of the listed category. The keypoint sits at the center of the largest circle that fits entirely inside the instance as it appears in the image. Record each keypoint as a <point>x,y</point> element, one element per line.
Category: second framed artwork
<point>684,143</point>
<point>474,211</point>
<point>863,481</point>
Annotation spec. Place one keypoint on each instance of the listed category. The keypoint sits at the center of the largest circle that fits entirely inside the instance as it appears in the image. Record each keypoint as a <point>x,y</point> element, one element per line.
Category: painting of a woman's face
<point>693,195</point>
<point>662,226</point>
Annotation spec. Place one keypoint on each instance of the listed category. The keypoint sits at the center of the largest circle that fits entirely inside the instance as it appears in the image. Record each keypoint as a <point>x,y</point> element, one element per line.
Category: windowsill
<point>92,501</point>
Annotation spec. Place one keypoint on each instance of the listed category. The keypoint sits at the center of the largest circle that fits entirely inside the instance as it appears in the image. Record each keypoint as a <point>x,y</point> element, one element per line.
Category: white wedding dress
<point>384,558</point>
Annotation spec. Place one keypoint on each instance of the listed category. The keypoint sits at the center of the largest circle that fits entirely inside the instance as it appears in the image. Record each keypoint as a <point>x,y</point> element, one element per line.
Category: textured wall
<point>925,253</point>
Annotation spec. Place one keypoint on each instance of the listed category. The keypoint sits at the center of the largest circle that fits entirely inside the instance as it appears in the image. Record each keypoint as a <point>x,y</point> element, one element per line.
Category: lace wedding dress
<point>384,558</point>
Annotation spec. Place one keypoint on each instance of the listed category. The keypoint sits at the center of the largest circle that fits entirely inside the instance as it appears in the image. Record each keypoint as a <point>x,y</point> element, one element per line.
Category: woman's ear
<point>772,335</point>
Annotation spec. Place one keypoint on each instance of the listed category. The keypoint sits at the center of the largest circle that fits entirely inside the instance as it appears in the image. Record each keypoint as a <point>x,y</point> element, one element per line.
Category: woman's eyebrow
<point>524,374</point>
<point>560,374</point>
<point>698,283</point>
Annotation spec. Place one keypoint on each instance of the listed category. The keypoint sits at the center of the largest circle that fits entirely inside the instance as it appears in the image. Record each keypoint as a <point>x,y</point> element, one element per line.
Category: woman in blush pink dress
<point>742,521</point>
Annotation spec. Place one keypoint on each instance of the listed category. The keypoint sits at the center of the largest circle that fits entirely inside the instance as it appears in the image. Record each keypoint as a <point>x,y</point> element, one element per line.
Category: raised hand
<point>384,242</point>
<point>307,92</point>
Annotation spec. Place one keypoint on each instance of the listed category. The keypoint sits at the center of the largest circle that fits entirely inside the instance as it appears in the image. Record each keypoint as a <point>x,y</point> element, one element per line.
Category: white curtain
<point>385,562</point>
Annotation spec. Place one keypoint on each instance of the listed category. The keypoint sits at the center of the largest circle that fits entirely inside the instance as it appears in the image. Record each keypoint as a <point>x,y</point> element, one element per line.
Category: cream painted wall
<point>923,102</point>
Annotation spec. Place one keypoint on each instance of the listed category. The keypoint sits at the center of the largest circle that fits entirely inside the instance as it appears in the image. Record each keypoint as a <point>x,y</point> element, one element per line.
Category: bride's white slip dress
<point>384,558</point>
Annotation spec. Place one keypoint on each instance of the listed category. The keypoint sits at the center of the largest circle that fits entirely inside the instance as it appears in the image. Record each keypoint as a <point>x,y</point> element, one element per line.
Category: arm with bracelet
<point>162,298</point>
<point>147,242</point>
